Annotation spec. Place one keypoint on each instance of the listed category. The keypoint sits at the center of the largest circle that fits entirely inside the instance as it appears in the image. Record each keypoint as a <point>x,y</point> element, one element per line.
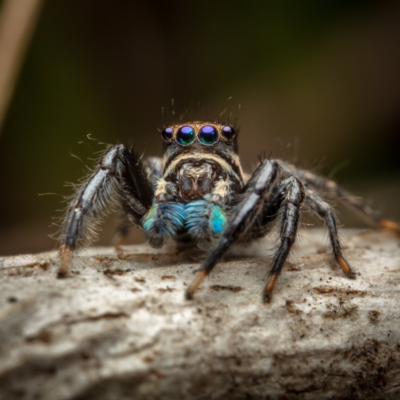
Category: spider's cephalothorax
<point>198,194</point>
<point>201,174</point>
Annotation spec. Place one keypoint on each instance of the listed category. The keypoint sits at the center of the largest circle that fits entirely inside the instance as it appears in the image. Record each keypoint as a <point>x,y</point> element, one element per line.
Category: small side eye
<point>167,133</point>
<point>208,135</point>
<point>185,135</point>
<point>228,132</point>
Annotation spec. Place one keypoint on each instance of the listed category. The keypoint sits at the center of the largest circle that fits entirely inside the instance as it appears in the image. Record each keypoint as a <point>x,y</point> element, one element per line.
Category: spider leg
<point>153,167</point>
<point>259,188</point>
<point>355,202</point>
<point>324,210</point>
<point>123,229</point>
<point>293,192</point>
<point>267,218</point>
<point>118,180</point>
<point>330,190</point>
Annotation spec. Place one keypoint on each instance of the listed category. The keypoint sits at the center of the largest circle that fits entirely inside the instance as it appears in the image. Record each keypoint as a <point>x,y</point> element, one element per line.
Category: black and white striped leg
<point>118,180</point>
<point>293,195</point>
<point>258,189</point>
<point>324,211</point>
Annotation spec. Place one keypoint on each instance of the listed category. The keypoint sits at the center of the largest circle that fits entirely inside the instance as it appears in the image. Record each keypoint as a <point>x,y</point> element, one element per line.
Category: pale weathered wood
<point>120,328</point>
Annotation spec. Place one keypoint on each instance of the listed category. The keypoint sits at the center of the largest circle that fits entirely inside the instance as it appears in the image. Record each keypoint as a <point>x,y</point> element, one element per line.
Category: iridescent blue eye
<point>228,132</point>
<point>167,134</point>
<point>208,135</point>
<point>185,135</point>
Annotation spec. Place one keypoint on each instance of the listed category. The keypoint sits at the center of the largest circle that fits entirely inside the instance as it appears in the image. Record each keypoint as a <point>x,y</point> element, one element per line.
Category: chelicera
<point>198,194</point>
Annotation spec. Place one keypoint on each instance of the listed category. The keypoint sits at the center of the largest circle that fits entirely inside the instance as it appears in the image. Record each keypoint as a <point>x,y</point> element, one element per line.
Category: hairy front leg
<point>118,179</point>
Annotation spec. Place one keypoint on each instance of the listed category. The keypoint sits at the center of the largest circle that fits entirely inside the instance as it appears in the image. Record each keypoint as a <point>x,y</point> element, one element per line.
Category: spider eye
<point>208,135</point>
<point>167,133</point>
<point>185,135</point>
<point>228,132</point>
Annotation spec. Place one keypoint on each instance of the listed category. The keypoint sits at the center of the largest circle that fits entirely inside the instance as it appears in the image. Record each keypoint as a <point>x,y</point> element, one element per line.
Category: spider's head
<point>197,136</point>
<point>197,154</point>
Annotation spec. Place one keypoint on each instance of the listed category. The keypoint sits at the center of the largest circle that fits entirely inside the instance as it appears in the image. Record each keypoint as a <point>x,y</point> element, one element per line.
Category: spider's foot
<point>267,297</point>
<point>391,225</point>
<point>269,287</point>
<point>351,275</point>
<point>66,257</point>
<point>118,241</point>
<point>188,296</point>
<point>346,267</point>
<point>195,284</point>
<point>118,249</point>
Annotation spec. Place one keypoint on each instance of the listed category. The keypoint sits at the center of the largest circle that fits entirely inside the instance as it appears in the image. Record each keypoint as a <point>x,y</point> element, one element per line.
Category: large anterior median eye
<point>185,135</point>
<point>167,134</point>
<point>208,135</point>
<point>228,132</point>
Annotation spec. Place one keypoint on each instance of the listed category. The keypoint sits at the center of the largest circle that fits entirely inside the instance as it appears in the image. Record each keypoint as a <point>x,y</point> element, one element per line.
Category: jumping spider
<point>197,193</point>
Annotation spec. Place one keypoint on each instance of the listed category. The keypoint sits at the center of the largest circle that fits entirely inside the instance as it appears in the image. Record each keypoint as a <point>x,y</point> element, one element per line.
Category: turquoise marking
<point>164,219</point>
<point>218,219</point>
<point>149,218</point>
<point>204,219</point>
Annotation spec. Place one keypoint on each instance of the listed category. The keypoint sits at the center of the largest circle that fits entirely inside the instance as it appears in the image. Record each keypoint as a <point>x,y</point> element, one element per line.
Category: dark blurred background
<point>317,82</point>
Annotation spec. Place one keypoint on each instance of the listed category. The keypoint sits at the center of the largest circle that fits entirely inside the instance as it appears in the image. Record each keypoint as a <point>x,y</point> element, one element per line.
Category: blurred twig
<point>17,22</point>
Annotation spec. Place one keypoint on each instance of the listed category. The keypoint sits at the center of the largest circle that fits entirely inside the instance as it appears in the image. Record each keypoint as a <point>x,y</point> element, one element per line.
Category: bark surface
<point>119,327</point>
